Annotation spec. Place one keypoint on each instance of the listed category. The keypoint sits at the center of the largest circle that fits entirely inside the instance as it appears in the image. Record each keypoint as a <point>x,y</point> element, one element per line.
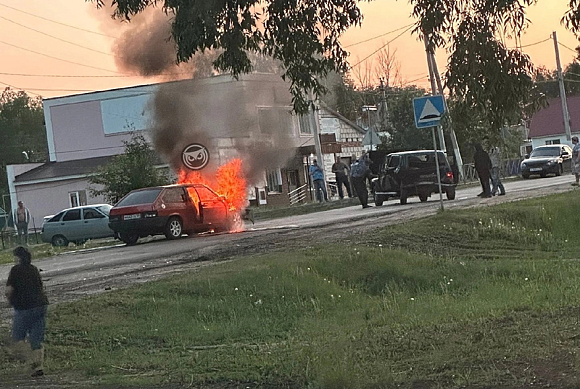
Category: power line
<point>54,21</point>
<point>566,47</point>
<point>535,43</point>
<point>45,89</point>
<point>379,36</point>
<point>15,87</point>
<point>380,48</point>
<point>57,38</point>
<point>58,59</point>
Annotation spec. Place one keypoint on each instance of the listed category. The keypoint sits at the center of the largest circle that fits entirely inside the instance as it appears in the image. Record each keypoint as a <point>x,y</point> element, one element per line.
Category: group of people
<point>359,172</point>
<point>487,166</point>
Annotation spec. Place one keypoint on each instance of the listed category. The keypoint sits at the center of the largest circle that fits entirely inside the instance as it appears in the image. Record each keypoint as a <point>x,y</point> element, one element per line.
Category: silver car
<point>77,225</point>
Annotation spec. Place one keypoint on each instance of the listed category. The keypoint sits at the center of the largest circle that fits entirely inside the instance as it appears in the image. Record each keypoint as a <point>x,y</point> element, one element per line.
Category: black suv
<point>413,173</point>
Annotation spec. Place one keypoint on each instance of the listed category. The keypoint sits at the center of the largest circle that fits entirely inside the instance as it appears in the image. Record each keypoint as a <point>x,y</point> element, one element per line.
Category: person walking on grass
<point>25,293</point>
<point>576,159</point>
<point>495,157</point>
<point>340,169</point>
<point>483,168</point>
<point>318,180</point>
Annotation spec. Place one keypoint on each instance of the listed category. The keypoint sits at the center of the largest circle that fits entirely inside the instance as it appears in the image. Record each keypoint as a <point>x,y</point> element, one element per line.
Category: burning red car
<point>171,210</point>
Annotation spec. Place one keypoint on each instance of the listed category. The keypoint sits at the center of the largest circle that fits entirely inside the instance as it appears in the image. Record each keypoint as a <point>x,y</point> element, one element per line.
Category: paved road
<point>84,264</point>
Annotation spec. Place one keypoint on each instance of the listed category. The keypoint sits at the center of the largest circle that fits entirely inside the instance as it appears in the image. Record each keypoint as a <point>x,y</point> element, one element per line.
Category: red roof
<point>550,120</point>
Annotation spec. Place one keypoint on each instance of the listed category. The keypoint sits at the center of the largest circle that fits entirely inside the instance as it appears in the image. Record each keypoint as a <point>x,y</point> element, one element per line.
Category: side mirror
<point>527,156</point>
<point>564,153</point>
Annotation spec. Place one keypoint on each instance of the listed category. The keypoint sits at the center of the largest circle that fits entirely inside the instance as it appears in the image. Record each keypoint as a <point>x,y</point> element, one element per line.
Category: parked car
<point>413,173</point>
<point>78,225</point>
<point>544,160</point>
<point>170,210</point>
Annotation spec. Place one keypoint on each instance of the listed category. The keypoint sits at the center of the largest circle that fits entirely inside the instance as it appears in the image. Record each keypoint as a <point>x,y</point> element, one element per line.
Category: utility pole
<point>434,92</point>
<point>562,89</point>
<point>454,144</point>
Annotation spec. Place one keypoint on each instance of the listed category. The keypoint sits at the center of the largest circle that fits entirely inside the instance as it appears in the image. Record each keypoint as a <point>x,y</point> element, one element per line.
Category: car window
<point>394,161</point>
<point>140,197</point>
<point>104,209</point>
<point>56,217</point>
<point>546,152</point>
<point>205,193</point>
<point>73,214</point>
<point>173,196</point>
<point>89,213</point>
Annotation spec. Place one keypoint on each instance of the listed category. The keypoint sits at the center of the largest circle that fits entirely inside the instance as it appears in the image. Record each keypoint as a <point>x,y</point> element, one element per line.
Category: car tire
<point>173,228</point>
<point>450,193</point>
<point>525,176</point>
<point>423,197</point>
<point>130,238</point>
<point>403,196</point>
<point>560,170</point>
<point>543,175</point>
<point>379,199</point>
<point>59,241</point>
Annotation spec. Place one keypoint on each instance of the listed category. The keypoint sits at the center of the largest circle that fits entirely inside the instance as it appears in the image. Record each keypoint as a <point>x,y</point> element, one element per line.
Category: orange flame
<point>228,181</point>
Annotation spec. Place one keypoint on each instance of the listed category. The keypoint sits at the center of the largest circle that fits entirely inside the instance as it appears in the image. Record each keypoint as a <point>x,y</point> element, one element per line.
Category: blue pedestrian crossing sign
<point>428,110</point>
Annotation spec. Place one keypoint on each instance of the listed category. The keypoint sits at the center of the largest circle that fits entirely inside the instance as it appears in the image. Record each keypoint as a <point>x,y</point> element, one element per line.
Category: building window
<point>305,124</point>
<point>275,120</point>
<point>78,198</point>
<point>553,142</point>
<point>274,180</point>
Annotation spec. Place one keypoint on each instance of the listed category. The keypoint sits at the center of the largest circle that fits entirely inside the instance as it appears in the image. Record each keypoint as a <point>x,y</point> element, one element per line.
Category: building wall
<point>49,198</point>
<point>541,141</point>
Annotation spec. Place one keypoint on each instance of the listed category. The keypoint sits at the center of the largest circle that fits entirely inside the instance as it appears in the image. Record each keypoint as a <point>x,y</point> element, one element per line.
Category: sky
<point>63,47</point>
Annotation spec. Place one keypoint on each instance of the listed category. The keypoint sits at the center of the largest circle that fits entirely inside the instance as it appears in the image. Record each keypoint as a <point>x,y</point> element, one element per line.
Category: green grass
<point>469,298</point>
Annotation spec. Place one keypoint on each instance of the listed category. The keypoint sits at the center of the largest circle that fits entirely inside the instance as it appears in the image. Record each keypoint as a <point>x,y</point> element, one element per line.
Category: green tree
<point>134,169</point>
<point>21,130</point>
<point>302,35</point>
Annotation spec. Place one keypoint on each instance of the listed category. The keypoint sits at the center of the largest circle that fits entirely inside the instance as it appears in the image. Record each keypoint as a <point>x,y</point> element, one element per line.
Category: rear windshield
<point>546,152</point>
<point>105,209</point>
<point>140,197</point>
<point>422,160</point>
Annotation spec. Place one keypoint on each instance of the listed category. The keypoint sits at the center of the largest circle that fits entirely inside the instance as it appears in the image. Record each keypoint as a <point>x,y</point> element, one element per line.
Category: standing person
<point>483,168</point>
<point>359,172</point>
<point>21,219</point>
<point>576,159</point>
<point>341,171</point>
<point>318,181</point>
<point>25,292</point>
<point>495,157</point>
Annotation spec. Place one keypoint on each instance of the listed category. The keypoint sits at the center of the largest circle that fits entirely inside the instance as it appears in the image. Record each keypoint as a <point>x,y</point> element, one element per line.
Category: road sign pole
<point>437,167</point>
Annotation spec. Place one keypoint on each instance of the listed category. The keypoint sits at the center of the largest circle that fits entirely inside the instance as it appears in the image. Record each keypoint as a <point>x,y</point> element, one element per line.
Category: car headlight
<point>552,162</point>
<point>523,165</point>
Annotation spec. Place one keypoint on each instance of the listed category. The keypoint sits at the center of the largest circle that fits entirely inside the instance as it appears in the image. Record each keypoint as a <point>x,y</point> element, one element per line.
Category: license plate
<point>130,217</point>
<point>536,169</point>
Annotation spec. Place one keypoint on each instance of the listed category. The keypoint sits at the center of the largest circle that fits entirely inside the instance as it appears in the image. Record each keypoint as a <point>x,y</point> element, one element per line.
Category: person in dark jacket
<point>25,292</point>
<point>359,173</point>
<point>483,168</point>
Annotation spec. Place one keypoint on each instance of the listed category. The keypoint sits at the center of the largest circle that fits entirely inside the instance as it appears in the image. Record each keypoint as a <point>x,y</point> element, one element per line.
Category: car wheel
<point>560,170</point>
<point>403,196</point>
<point>525,176</point>
<point>130,239</point>
<point>450,193</point>
<point>543,175</point>
<point>174,228</point>
<point>423,197</point>
<point>59,241</point>
<point>379,199</point>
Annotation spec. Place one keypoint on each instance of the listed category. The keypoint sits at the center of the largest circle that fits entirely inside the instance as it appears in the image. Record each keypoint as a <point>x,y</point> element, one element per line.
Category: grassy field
<point>475,298</point>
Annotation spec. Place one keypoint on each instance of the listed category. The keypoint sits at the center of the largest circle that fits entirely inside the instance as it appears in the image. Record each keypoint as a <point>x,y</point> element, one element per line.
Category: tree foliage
<point>21,130</point>
<point>302,34</point>
<point>134,169</point>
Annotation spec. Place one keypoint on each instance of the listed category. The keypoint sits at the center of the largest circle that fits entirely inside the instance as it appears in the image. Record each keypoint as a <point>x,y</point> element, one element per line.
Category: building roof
<point>51,170</point>
<point>550,120</point>
<point>340,117</point>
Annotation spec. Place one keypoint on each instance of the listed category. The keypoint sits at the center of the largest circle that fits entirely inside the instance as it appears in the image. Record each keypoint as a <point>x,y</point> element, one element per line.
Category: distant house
<point>547,125</point>
<point>85,131</point>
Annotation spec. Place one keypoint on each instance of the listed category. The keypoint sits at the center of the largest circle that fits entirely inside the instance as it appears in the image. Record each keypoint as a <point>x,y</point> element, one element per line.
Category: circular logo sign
<point>195,156</point>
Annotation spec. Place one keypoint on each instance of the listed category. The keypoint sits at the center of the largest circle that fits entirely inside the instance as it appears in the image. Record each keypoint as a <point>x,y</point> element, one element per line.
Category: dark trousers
<point>360,187</point>
<point>22,228</point>
<point>484,180</point>
<point>340,181</point>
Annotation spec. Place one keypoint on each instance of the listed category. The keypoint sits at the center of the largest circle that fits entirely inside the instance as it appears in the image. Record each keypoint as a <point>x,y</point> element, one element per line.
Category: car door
<point>213,207</point>
<point>71,225</point>
<point>95,224</point>
<point>177,202</point>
